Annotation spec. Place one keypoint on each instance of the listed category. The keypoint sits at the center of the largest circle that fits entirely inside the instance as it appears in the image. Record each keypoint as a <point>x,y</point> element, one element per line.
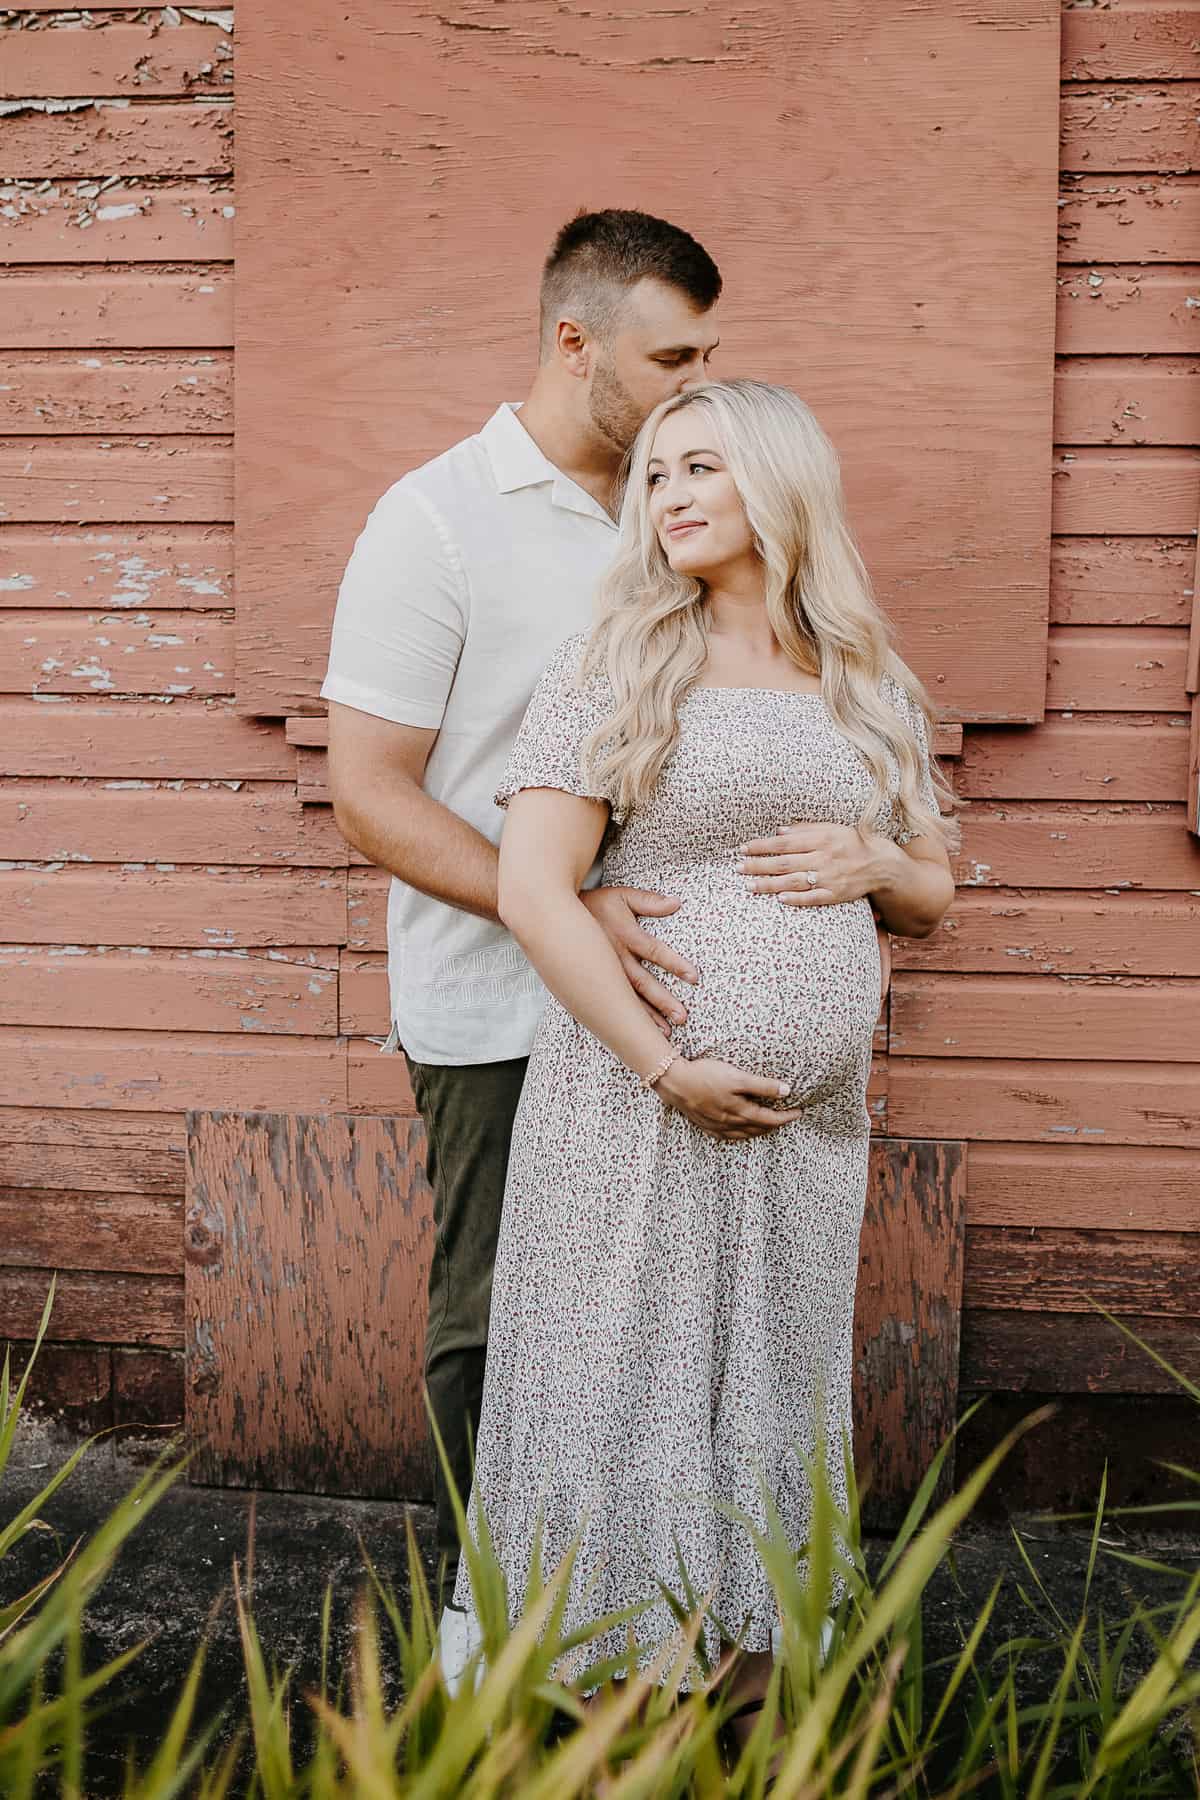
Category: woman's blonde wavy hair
<point>651,634</point>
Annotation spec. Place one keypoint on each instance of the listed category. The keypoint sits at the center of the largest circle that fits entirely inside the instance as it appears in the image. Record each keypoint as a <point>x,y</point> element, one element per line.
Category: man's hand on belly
<point>619,911</point>
<point>815,865</point>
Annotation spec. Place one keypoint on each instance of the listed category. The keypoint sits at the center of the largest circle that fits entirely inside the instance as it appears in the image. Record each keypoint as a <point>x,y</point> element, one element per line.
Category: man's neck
<point>578,449</point>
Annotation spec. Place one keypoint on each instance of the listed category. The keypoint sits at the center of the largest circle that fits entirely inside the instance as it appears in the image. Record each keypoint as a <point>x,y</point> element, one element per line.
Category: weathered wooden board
<point>1084,1186</point>
<point>89,1168</point>
<point>82,1128</point>
<point>120,137</point>
<point>1121,581</point>
<point>1193,805</point>
<point>1099,491</point>
<point>147,1386</point>
<point>117,221</point>
<point>70,1382</point>
<point>177,566</point>
<point>92,480</point>
<point>363,1004</point>
<point>1040,1269</point>
<point>366,908</point>
<point>1142,42</point>
<point>307,1245</point>
<point>57,392</point>
<point>907,1318</point>
<point>1057,1353</point>
<point>259,823</point>
<point>1100,668</point>
<point>1121,1018</point>
<point>1126,310</point>
<point>1135,218</point>
<point>53,1228</point>
<point>312,778</point>
<point>170,1069</point>
<point>1081,846</point>
<point>289,991</point>
<point>1045,1102</point>
<point>143,61</point>
<point>103,309</point>
<point>208,908</point>
<point>116,653</point>
<point>965,102</point>
<point>1055,933</point>
<point>97,1307</point>
<point>155,739</point>
<point>376,1083</point>
<point>1127,399</point>
<point>1116,126</point>
<point>1138,757</point>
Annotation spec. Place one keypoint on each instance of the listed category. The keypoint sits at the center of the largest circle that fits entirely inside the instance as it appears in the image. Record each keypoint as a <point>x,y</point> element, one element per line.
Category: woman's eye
<point>703,468</point>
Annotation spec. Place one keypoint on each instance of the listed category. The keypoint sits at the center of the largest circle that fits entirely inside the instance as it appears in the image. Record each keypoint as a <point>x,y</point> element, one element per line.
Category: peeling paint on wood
<point>1070,1353</point>
<point>119,137</point>
<point>160,739</point>
<point>1117,126</point>
<point>89,1167</point>
<point>103,309</point>
<point>1129,219</point>
<point>1045,1102</point>
<point>204,907</point>
<point>59,392</point>
<point>116,221</point>
<point>1144,42</point>
<point>1071,757</point>
<point>52,1228</point>
<point>141,60</point>
<point>1083,1186</point>
<point>1039,1270</point>
<point>1098,669</point>
<point>1124,310</point>
<point>124,652</point>
<point>1121,1017</point>
<point>65,481</point>
<point>1121,581</point>
<point>98,1308</point>
<point>1127,400</point>
<point>1100,933</point>
<point>178,567</point>
<point>1114,491</point>
<point>1082,846</point>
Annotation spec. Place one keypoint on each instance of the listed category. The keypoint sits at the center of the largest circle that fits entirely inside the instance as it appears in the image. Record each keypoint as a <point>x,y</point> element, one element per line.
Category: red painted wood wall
<point>1054,1023</point>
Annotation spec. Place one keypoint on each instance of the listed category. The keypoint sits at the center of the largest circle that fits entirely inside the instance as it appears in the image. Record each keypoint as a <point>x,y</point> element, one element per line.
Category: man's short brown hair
<point>598,256</point>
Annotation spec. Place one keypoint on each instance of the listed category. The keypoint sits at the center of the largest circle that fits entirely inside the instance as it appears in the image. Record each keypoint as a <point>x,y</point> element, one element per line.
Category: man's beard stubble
<point>612,409</point>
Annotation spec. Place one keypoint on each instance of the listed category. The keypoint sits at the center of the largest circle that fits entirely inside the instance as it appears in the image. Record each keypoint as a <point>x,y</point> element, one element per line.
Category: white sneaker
<point>459,1637</point>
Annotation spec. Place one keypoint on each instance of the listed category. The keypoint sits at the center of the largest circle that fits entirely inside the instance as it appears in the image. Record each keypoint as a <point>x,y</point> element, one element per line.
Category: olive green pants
<point>468,1113</point>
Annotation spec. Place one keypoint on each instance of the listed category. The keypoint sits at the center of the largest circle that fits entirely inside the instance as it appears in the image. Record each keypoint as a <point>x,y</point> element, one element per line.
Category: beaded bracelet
<point>658,1073</point>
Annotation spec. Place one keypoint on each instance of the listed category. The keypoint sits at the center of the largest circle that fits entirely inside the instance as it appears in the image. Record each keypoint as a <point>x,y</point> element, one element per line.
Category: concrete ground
<point>172,1581</point>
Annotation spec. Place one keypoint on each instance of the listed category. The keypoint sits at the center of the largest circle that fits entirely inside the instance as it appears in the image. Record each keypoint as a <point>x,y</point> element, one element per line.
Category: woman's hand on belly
<point>723,1101</point>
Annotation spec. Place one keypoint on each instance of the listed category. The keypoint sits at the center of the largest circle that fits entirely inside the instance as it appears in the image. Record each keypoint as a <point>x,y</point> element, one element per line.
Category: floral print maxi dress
<point>671,1315</point>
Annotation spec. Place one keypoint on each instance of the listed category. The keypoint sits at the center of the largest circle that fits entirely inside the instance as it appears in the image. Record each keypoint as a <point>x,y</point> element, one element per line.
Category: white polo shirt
<point>465,579</point>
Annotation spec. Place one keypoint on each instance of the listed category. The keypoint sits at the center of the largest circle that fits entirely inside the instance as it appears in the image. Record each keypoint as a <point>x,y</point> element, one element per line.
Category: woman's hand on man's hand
<point>725,1102</point>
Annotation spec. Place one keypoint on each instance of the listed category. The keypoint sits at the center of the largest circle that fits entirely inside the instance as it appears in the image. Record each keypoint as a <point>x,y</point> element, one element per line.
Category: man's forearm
<point>426,845</point>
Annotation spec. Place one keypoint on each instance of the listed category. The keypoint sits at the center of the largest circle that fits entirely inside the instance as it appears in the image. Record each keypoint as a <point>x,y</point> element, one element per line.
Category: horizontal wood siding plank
<point>1124,310</point>
<point>83,1128</point>
<point>364,1005</point>
<point>377,1083</point>
<point>54,393</point>
<point>1084,1187</point>
<point>1129,43</point>
<point>292,992</point>
<point>1088,934</point>
<point>1074,1353</point>
<point>159,739</point>
<point>95,1308</point>
<point>54,821</point>
<point>212,1071</point>
<point>143,61</point>
<point>106,309</point>
<point>366,908</point>
<point>1131,219</point>
<point>116,653</point>
<point>89,1168</point>
<point>174,908</point>
<point>1076,847</point>
<point>1045,1102</point>
<point>1030,1269</point>
<point>312,777</point>
<point>1121,581</point>
<point>118,221</point>
<point>51,1228</point>
<point>1118,1017</point>
<point>92,480</point>
<point>133,566</point>
<point>1127,400</point>
<point>1118,126</point>
<point>1101,492</point>
<point>1098,668</point>
<point>121,137</point>
<point>1077,758</point>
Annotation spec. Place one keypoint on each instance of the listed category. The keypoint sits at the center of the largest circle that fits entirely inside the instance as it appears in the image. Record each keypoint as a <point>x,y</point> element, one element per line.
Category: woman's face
<point>694,506</point>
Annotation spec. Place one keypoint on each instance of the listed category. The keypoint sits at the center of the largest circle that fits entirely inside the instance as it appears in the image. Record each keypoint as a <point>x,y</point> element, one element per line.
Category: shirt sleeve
<point>914,718</point>
<point>558,722</point>
<point>401,615</point>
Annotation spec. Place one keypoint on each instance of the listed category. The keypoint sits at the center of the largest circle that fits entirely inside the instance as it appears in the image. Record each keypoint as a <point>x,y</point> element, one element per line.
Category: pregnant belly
<point>787,992</point>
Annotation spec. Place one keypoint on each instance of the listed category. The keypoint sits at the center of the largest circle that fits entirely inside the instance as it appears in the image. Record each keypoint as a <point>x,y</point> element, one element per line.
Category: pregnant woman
<point>674,1287</point>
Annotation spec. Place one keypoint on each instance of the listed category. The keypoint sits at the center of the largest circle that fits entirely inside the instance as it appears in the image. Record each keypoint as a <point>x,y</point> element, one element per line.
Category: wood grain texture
<point>1045,1102</point>
<point>376,1083</point>
<point>1127,399</point>
<point>928,489</point>
<point>907,1318</point>
<point>114,309</point>
<point>290,991</point>
<point>104,1168</point>
<point>1077,757</point>
<point>1073,1353</point>
<point>82,1128</point>
<point>121,137</point>
<point>1126,310</point>
<point>1081,846</point>
<point>98,1308</point>
<point>1193,804</point>
<point>1117,126</point>
<point>143,61</point>
<point>307,1246</point>
<point>116,653</point>
<point>177,567</point>
<point>1035,1269</point>
<point>91,480</point>
<point>55,393</point>
<point>363,1002</point>
<point>155,740</point>
<point>1129,43</point>
<point>204,907</point>
<point>366,908</point>
<point>1131,219</point>
<point>53,1228</point>
<point>1084,1186</point>
<point>1100,492</point>
<point>1121,581</point>
<point>117,221</point>
<point>1096,668</point>
<point>1054,933</point>
<point>1117,1017</point>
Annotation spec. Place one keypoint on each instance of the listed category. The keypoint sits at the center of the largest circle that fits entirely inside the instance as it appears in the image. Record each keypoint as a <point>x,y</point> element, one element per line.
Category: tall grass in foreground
<point>876,1718</point>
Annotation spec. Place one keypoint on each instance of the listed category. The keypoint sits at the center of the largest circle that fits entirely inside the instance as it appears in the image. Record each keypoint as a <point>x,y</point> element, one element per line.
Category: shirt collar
<point>518,463</point>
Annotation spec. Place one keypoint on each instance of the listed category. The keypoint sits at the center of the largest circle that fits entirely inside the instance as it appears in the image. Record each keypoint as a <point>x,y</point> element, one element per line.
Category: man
<point>468,575</point>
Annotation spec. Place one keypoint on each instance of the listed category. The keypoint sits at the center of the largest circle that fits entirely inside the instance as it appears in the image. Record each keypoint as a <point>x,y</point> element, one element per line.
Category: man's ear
<point>574,346</point>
